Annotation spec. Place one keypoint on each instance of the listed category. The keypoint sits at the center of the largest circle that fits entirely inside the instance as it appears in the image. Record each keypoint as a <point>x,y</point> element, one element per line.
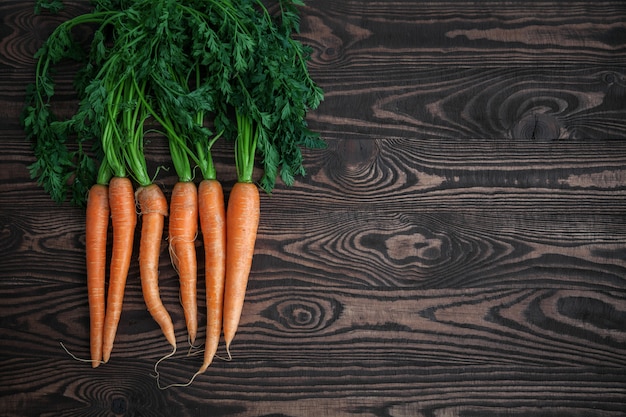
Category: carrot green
<point>197,63</point>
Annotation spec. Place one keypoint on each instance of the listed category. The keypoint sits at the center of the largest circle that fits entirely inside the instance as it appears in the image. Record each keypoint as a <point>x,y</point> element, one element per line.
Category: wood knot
<point>118,406</point>
<point>592,311</point>
<point>537,126</point>
<point>303,315</point>
<point>357,154</point>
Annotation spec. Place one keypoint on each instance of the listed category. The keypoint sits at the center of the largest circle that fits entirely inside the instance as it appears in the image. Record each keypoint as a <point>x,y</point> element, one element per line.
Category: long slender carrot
<point>242,221</point>
<point>153,206</point>
<point>183,229</point>
<point>213,226</point>
<point>123,219</point>
<point>96,230</point>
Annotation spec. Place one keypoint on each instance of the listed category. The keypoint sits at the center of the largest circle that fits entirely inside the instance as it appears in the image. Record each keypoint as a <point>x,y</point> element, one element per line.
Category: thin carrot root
<point>156,365</point>
<point>183,228</point>
<point>153,205</point>
<point>242,221</point>
<point>195,351</point>
<point>80,359</point>
<point>176,384</point>
<point>123,219</point>
<point>192,347</point>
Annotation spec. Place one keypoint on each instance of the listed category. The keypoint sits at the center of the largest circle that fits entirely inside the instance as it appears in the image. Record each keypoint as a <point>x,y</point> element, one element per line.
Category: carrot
<point>183,224</point>
<point>183,228</point>
<point>153,205</point>
<point>96,230</point>
<point>242,221</point>
<point>213,226</point>
<point>123,219</point>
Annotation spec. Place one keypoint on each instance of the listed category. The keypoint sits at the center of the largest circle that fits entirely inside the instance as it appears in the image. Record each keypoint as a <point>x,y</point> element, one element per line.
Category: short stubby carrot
<point>123,220</point>
<point>213,225</point>
<point>153,206</point>
<point>183,229</point>
<point>242,221</point>
<point>96,231</point>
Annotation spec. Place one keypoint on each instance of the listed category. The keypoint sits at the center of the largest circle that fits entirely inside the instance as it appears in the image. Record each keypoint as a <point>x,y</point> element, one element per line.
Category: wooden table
<point>459,249</point>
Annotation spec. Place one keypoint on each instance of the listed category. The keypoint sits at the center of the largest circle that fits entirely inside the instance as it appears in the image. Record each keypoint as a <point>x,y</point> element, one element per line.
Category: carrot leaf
<point>198,62</point>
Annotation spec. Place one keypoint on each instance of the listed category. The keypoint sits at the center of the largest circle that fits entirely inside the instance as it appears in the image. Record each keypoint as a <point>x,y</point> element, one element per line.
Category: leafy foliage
<point>184,63</point>
<point>53,6</point>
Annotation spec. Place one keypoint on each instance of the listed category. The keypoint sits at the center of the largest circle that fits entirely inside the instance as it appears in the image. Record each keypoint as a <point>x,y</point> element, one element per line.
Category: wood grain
<point>459,249</point>
<point>471,70</point>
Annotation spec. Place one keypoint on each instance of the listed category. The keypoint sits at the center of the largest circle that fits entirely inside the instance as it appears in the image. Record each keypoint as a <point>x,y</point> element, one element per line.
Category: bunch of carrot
<point>175,67</point>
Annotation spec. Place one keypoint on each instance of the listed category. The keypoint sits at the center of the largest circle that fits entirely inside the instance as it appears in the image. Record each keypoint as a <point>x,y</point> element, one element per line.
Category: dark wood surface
<point>458,250</point>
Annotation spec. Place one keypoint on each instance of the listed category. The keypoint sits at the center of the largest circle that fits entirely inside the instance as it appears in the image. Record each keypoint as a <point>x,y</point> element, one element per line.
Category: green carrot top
<point>190,64</point>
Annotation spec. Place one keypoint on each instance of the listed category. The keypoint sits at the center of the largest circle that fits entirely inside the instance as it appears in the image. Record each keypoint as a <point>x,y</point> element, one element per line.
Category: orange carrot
<point>242,221</point>
<point>123,219</point>
<point>96,230</point>
<point>213,225</point>
<point>183,228</point>
<point>153,205</point>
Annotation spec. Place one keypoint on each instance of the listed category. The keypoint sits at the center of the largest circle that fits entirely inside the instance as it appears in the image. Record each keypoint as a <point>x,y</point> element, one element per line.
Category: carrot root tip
<point>94,362</point>
<point>156,365</point>
<point>176,384</point>
<point>191,342</point>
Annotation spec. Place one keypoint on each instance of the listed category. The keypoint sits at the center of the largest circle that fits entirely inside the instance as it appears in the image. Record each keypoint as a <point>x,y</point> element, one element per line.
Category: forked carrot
<point>96,230</point>
<point>213,226</point>
<point>153,206</point>
<point>183,229</point>
<point>123,220</point>
<point>242,221</point>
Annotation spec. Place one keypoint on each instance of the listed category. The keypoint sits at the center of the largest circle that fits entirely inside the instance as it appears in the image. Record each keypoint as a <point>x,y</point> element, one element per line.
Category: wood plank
<point>446,102</point>
<point>331,341</point>
<point>396,174</point>
<point>470,69</point>
<point>365,390</point>
<point>469,326</point>
<point>361,34</point>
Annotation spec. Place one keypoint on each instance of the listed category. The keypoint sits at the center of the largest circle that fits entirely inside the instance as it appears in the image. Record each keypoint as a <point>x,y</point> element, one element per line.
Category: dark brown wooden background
<point>458,250</point>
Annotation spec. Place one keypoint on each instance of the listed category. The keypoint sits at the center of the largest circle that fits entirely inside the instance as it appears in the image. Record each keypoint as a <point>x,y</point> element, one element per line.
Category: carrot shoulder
<point>213,226</point>
<point>242,221</point>
<point>96,230</point>
<point>153,206</point>
<point>183,228</point>
<point>123,220</point>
